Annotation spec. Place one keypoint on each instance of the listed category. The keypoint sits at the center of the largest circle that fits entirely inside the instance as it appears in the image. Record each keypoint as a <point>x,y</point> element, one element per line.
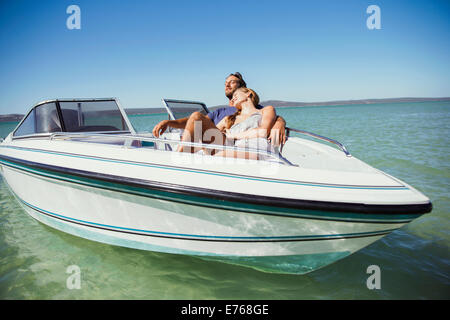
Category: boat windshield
<point>73,116</point>
<point>178,109</point>
<point>89,116</point>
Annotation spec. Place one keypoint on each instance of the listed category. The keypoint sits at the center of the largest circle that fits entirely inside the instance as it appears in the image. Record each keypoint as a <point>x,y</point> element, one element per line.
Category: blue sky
<point>141,51</point>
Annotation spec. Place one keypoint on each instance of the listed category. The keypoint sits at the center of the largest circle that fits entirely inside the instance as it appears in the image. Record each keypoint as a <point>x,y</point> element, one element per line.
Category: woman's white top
<point>254,121</point>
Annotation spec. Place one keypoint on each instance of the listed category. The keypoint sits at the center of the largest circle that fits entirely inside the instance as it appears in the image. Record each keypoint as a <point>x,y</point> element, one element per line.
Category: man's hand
<point>277,135</point>
<point>160,128</point>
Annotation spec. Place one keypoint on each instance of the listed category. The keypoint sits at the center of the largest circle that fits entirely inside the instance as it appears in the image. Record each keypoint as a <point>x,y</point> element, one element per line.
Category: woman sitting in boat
<point>248,127</point>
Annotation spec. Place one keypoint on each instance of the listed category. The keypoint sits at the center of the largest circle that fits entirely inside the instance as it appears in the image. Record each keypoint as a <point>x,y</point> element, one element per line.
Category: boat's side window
<point>42,119</point>
<point>28,126</point>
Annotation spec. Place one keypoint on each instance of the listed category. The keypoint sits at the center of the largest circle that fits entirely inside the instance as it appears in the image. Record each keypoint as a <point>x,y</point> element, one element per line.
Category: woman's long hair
<point>255,99</point>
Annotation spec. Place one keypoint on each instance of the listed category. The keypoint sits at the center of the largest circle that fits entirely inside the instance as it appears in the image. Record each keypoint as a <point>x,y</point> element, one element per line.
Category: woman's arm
<point>267,121</point>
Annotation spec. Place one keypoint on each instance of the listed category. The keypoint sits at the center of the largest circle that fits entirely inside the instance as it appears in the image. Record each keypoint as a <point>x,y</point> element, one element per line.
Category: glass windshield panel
<point>184,109</point>
<point>28,126</point>
<point>42,119</point>
<point>91,116</point>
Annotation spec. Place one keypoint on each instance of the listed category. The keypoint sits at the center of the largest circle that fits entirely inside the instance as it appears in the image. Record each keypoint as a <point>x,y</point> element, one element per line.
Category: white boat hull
<point>270,216</point>
<point>264,241</point>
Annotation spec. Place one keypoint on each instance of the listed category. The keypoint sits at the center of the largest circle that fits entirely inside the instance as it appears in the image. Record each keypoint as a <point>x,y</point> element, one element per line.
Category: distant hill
<point>136,111</point>
<point>11,117</point>
<point>281,103</point>
<point>275,103</point>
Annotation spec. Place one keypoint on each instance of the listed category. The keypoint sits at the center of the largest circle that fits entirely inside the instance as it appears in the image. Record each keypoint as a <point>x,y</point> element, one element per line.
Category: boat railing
<point>66,135</point>
<point>314,135</point>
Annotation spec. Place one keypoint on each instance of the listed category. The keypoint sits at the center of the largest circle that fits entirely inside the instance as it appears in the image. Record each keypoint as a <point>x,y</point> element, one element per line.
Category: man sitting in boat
<point>208,122</point>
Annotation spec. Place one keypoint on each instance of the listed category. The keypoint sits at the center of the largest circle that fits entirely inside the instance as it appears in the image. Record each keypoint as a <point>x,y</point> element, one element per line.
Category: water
<point>407,140</point>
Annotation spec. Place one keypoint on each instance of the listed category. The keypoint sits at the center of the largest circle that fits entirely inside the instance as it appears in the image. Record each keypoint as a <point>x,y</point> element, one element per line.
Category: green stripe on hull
<point>293,264</point>
<point>218,174</point>
<point>211,202</point>
<point>185,236</point>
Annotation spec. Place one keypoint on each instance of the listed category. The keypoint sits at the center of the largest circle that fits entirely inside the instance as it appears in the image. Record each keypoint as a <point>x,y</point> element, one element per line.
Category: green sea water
<point>407,140</point>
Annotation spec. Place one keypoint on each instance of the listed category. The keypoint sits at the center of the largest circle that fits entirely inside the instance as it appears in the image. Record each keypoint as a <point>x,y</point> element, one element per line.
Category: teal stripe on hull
<point>215,203</point>
<point>219,174</point>
<point>206,237</point>
<point>292,264</point>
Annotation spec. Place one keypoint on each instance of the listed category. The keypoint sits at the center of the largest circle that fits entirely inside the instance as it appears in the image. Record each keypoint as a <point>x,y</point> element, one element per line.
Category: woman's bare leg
<point>196,126</point>
<point>237,154</point>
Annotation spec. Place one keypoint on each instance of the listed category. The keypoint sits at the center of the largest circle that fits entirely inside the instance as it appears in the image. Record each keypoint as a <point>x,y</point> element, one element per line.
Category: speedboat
<point>79,166</point>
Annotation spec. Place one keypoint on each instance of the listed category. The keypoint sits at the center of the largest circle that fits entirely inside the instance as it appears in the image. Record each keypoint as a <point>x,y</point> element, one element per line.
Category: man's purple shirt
<point>221,113</point>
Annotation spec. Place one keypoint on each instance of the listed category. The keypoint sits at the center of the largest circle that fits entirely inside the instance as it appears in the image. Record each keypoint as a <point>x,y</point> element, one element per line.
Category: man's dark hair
<point>241,79</point>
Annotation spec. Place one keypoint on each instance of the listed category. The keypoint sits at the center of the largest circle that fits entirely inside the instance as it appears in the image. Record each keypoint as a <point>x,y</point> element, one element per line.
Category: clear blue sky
<point>141,51</point>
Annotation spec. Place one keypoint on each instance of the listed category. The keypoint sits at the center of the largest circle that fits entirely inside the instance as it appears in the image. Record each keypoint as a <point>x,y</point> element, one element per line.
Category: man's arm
<point>162,126</point>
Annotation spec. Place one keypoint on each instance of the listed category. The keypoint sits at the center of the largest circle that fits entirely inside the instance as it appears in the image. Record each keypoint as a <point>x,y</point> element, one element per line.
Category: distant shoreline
<point>275,103</point>
<point>279,103</point>
<point>285,104</point>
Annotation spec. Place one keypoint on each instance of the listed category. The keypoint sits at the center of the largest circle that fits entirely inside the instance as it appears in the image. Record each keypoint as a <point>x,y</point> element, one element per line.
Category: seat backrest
<point>71,119</point>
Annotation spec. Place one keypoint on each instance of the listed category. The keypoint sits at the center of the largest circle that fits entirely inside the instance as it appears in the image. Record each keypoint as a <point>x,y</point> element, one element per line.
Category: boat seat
<point>71,121</point>
<point>93,128</point>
